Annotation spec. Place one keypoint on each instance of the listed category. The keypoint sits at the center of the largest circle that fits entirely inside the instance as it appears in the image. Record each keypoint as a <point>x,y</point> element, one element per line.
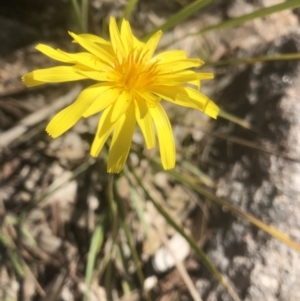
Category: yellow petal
<point>54,54</point>
<point>204,103</point>
<point>127,36</point>
<point>141,105</point>
<point>93,38</point>
<point>196,83</point>
<point>165,136</point>
<point>116,40</point>
<point>93,48</point>
<point>98,40</point>
<point>187,97</point>
<point>151,45</point>
<point>174,95</point>
<point>121,105</point>
<point>87,59</point>
<point>169,56</point>
<point>30,82</point>
<point>145,123</point>
<point>137,43</point>
<point>173,79</point>
<point>97,75</point>
<point>121,141</point>
<point>103,101</point>
<point>66,118</point>
<point>211,109</point>
<point>105,127</point>
<point>151,99</point>
<point>179,65</point>
<point>57,74</point>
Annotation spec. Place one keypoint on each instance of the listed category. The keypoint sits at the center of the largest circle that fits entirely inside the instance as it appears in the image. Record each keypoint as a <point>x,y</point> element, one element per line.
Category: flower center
<point>134,71</point>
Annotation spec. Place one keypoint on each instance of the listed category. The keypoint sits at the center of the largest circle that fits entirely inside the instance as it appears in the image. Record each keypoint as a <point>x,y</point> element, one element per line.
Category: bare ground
<point>54,239</point>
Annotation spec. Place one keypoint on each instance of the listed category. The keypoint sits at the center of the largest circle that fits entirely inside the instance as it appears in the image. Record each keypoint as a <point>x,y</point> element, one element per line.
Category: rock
<point>267,186</point>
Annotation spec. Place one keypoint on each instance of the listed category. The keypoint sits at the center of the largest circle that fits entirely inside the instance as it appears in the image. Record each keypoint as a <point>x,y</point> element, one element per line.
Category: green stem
<point>84,15</point>
<point>131,244</point>
<point>77,14</point>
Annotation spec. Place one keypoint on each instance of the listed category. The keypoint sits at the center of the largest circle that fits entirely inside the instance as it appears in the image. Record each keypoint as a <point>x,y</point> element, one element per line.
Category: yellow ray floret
<point>130,84</point>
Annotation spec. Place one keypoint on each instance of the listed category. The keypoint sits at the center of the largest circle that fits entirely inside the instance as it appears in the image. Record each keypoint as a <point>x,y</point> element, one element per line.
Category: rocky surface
<point>264,185</point>
<point>267,186</point>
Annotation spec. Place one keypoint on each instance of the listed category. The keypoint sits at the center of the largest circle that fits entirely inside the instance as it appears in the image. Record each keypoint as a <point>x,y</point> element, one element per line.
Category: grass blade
<point>17,264</point>
<point>252,145</point>
<point>16,261</point>
<point>76,9</point>
<point>25,233</point>
<point>257,14</point>
<point>237,140</point>
<point>96,244</point>
<point>179,17</point>
<point>123,268</point>
<point>203,257</point>
<point>138,207</point>
<point>258,59</point>
<point>204,178</point>
<point>184,179</point>
<point>129,8</point>
<point>241,122</point>
<point>131,245</point>
<point>85,14</point>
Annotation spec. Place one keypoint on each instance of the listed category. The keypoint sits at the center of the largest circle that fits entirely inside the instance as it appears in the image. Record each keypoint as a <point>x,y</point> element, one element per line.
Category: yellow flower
<point>131,84</point>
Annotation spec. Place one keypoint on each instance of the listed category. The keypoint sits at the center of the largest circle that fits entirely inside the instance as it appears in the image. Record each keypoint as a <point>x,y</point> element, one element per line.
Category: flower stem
<point>77,14</point>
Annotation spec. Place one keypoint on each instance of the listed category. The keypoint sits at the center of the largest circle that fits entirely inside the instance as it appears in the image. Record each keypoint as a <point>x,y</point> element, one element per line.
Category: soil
<point>265,185</point>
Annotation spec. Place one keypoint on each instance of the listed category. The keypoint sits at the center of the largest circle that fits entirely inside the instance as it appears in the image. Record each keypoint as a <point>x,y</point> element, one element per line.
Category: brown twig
<point>44,113</point>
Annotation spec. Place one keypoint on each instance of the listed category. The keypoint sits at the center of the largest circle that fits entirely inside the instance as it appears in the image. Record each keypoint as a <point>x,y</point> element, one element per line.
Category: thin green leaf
<point>131,245</point>
<point>257,14</point>
<point>95,246</point>
<point>123,268</point>
<point>243,123</point>
<point>129,8</point>
<point>108,257</point>
<point>179,17</point>
<point>252,145</point>
<point>108,278</point>
<point>240,20</point>
<point>77,14</point>
<point>85,14</point>
<point>138,206</point>
<point>113,210</point>
<point>258,59</point>
<point>204,178</point>
<point>106,264</point>
<point>184,179</point>
<point>16,261</point>
<point>203,257</point>
<point>125,287</point>
<point>242,142</point>
<point>26,234</point>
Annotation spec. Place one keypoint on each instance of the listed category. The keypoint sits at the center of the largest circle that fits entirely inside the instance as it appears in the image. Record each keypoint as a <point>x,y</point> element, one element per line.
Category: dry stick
<point>179,265</point>
<point>44,113</point>
<point>38,287</point>
<point>242,142</point>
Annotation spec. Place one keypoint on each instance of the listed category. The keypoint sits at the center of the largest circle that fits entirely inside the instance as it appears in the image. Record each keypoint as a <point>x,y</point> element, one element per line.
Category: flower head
<point>131,82</point>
